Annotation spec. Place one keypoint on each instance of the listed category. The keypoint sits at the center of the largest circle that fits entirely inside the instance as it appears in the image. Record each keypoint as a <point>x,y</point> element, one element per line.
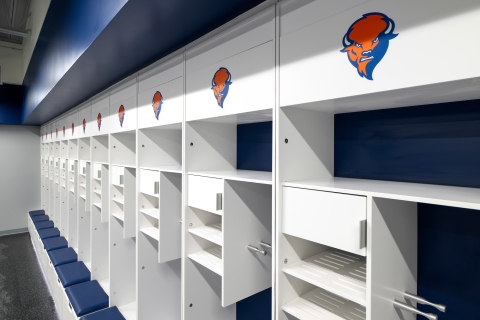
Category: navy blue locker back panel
<point>449,260</point>
<point>254,152</point>
<point>437,144</point>
<point>254,146</point>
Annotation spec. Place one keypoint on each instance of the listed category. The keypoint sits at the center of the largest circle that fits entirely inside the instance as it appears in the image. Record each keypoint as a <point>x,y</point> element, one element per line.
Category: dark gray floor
<point>24,294</point>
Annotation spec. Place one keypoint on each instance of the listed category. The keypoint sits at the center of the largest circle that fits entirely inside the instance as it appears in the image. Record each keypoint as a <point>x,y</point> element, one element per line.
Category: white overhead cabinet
<point>340,53</point>
<point>123,108</point>
<point>99,118</point>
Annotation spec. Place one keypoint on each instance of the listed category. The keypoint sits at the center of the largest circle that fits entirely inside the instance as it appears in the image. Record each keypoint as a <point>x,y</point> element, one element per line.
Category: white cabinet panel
<point>99,118</point>
<point>84,127</point>
<point>314,68</point>
<point>161,104</point>
<point>249,85</point>
<point>123,115</point>
<point>202,193</point>
<point>328,218</point>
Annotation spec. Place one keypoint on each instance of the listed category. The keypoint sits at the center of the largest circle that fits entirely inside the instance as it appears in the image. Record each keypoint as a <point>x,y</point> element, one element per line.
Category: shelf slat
<point>151,232</point>
<point>341,273</point>
<point>99,192</point>
<point>210,259</point>
<point>118,200</point>
<point>262,177</point>
<point>152,212</point>
<point>212,233</point>
<point>119,216</point>
<point>319,304</point>
<point>129,311</point>
<point>98,205</point>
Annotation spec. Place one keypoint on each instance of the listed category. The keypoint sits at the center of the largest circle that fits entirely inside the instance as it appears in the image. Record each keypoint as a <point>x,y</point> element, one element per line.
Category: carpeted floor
<point>24,294</point>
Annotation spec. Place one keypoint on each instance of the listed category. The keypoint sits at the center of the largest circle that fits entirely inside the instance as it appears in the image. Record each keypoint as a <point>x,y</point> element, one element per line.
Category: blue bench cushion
<point>73,273</point>
<point>36,213</point>
<point>48,233</point>
<point>106,314</point>
<point>43,225</point>
<point>62,256</point>
<point>40,218</point>
<point>87,297</point>
<point>55,243</point>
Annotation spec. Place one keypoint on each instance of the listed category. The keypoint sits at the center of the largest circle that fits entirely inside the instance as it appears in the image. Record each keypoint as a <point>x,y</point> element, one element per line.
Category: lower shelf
<point>98,205</point>
<point>105,284</point>
<point>212,233</point>
<point>152,212</point>
<point>210,259</point>
<point>341,273</point>
<point>152,232</point>
<point>119,216</point>
<point>129,311</point>
<point>88,264</point>
<point>319,304</point>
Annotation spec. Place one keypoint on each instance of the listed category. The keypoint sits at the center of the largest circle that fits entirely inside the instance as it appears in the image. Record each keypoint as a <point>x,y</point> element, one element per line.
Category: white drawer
<point>332,219</point>
<point>205,193</point>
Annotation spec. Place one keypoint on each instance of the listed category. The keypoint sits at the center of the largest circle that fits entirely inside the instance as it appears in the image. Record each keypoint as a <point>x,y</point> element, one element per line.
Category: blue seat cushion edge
<point>87,297</point>
<point>111,313</point>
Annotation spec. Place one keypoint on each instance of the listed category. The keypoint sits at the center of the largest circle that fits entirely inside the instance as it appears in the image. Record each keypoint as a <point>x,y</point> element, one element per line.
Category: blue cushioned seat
<point>36,213</point>
<point>43,225</point>
<point>111,313</point>
<point>87,297</point>
<point>73,273</point>
<point>55,243</point>
<point>48,233</point>
<point>40,218</point>
<point>62,256</point>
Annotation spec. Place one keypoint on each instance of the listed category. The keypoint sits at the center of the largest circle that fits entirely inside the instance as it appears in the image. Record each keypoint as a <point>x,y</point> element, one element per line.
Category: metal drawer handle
<point>266,245</point>
<point>219,201</point>
<point>257,250</point>
<point>421,300</point>
<point>406,307</point>
<point>363,234</point>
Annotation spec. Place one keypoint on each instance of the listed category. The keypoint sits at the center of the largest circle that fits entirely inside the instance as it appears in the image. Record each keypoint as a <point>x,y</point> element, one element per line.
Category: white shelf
<point>105,284</point>
<point>172,169</point>
<point>150,194</point>
<point>341,273</point>
<point>83,185</point>
<point>118,185</point>
<point>210,259</point>
<point>83,197</point>
<point>98,205</point>
<point>118,200</point>
<point>212,233</point>
<point>99,192</point>
<point>98,179</point>
<point>262,177</point>
<point>152,212</point>
<point>319,304</point>
<point>151,232</point>
<point>88,264</point>
<point>72,191</point>
<point>461,197</point>
<point>119,216</point>
<point>83,174</point>
<point>129,311</point>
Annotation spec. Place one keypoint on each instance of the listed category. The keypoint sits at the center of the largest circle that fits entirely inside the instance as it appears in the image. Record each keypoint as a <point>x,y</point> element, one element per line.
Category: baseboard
<point>13,231</point>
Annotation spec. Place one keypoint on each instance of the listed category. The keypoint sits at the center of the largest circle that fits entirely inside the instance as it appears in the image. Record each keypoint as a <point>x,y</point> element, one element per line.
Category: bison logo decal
<point>367,40</point>
<point>157,102</point>
<point>84,124</point>
<point>121,115</point>
<point>99,121</point>
<point>220,84</point>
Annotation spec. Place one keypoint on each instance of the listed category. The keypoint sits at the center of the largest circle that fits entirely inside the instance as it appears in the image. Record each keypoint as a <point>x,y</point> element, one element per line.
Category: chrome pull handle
<point>363,234</point>
<point>219,201</point>
<point>257,250</point>
<point>406,307</point>
<point>265,245</point>
<point>421,300</point>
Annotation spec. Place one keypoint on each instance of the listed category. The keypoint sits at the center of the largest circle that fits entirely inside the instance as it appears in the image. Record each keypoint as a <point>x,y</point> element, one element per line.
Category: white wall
<point>11,60</point>
<point>38,10</point>
<point>19,175</point>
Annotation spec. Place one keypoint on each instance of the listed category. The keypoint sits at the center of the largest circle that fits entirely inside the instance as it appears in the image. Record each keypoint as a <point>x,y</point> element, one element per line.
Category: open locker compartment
<point>84,148</point>
<point>123,148</point>
<point>84,213</point>
<point>122,198</point>
<point>73,203</point>
<point>73,149</point>
<point>99,145</point>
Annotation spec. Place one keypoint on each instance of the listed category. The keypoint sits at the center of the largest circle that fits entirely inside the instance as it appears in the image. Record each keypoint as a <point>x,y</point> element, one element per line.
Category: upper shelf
<point>262,177</point>
<point>461,197</point>
<point>172,169</point>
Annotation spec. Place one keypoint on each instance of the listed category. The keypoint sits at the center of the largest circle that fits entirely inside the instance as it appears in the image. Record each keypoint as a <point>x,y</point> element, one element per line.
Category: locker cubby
<point>73,203</point>
<point>122,151</point>
<point>84,210</point>
<point>212,145</point>
<point>64,196</point>
<point>56,149</point>
<point>123,199</point>
<point>84,148</point>
<point>159,244</point>
<point>64,148</point>
<point>100,148</point>
<point>228,252</point>
<point>100,226</point>
<point>161,148</point>
<point>73,149</point>
<point>123,240</point>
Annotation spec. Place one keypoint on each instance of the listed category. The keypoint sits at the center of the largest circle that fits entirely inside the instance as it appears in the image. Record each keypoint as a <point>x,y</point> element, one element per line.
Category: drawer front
<point>332,219</point>
<point>203,193</point>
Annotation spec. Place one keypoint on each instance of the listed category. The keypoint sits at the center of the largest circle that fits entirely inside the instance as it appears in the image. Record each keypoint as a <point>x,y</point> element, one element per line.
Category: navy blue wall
<point>11,97</point>
<point>437,144</point>
<point>254,146</point>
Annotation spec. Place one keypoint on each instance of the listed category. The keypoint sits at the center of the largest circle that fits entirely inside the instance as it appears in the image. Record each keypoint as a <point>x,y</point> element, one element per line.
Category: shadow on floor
<point>24,294</point>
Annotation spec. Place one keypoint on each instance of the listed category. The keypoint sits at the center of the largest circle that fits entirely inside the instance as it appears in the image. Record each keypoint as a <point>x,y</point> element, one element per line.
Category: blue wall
<point>437,144</point>
<point>11,97</point>
<point>254,146</point>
